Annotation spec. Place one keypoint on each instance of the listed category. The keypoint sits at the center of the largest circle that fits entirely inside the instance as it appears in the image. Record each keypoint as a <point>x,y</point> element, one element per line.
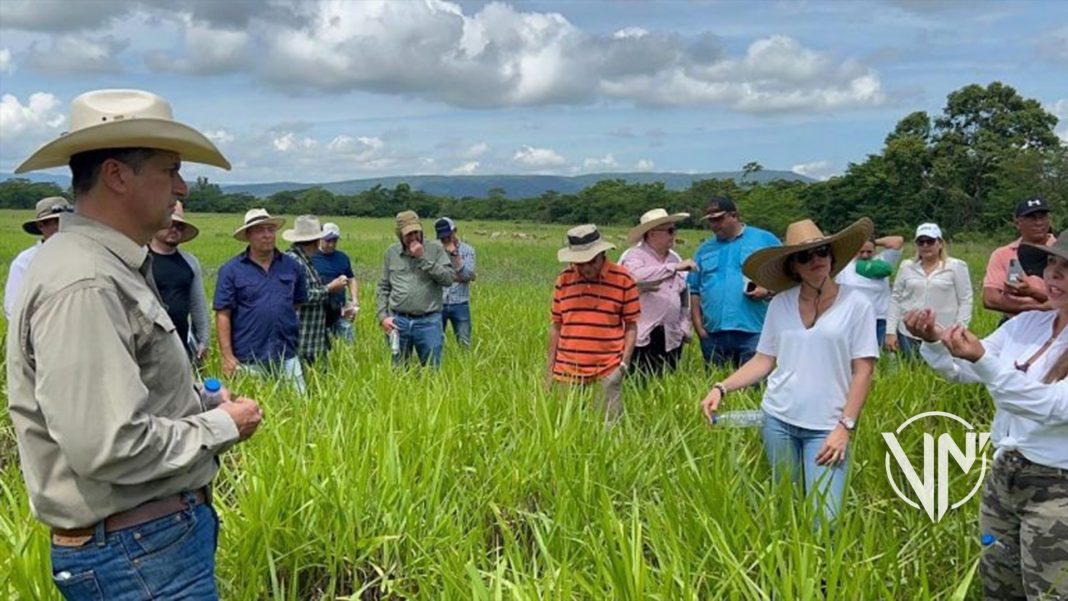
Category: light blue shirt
<point>460,292</point>
<point>720,285</point>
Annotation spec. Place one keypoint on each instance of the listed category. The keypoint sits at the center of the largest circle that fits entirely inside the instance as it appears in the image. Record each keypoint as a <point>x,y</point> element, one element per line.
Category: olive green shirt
<point>100,388</point>
<point>411,285</point>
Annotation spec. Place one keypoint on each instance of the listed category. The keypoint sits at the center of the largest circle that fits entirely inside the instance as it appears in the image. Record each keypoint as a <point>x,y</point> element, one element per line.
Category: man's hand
<point>963,344</point>
<point>387,325</point>
<point>337,284</point>
<point>701,331</point>
<point>449,244</point>
<point>230,365</point>
<point>246,415</point>
<point>349,312</point>
<point>686,265</point>
<point>201,353</point>
<point>921,324</point>
<point>416,249</point>
<point>1021,289</point>
<point>758,293</point>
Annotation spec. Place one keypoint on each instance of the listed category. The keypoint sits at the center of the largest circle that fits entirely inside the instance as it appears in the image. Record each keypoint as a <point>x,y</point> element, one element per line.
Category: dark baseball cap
<point>719,206</point>
<point>1031,205</point>
<point>443,227</point>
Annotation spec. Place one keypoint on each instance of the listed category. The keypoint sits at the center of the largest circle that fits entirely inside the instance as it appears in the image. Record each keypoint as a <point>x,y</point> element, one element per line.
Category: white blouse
<point>947,290</point>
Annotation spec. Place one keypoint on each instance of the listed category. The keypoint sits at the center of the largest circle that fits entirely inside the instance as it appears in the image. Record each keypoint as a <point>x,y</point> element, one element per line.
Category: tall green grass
<point>477,483</point>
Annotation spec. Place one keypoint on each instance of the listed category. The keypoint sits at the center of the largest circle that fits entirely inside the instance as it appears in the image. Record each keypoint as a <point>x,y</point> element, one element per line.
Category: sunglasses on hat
<point>804,256</point>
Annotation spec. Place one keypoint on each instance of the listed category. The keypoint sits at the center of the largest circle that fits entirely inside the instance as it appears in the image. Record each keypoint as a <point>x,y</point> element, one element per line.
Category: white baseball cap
<point>929,230</point>
<point>332,231</point>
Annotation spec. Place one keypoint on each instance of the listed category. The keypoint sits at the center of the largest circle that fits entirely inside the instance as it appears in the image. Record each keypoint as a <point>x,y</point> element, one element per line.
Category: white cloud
<point>7,64</point>
<point>528,156</point>
<point>219,136</point>
<point>209,51</point>
<point>1060,110</point>
<point>475,151</point>
<point>821,170</point>
<point>645,165</point>
<point>630,32</point>
<point>467,168</point>
<point>76,54</point>
<point>289,141</point>
<point>61,15</point>
<point>605,163</point>
<point>360,149</point>
<point>38,116</point>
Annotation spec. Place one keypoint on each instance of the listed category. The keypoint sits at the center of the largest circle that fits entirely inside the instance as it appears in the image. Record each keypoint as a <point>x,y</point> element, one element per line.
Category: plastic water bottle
<point>1002,553</point>
<point>739,419</point>
<point>212,393</point>
<point>394,341</point>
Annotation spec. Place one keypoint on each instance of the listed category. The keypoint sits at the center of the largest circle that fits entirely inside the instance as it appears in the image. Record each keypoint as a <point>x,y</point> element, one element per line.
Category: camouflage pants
<point>1025,508</point>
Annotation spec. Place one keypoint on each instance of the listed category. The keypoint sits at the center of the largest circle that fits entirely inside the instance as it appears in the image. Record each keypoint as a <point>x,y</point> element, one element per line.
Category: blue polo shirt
<point>718,281</point>
<point>329,267</point>
<point>263,317</point>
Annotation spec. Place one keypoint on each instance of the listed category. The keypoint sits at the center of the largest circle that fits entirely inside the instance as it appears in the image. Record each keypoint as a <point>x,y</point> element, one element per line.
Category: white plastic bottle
<point>739,419</point>
<point>212,394</point>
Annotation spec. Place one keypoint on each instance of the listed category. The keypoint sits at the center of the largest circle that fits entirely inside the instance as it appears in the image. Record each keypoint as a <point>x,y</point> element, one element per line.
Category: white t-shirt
<point>810,382</point>
<point>14,278</point>
<point>876,291</point>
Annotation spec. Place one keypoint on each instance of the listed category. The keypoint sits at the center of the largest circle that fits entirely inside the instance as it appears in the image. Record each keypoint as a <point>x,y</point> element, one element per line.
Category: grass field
<point>474,483</point>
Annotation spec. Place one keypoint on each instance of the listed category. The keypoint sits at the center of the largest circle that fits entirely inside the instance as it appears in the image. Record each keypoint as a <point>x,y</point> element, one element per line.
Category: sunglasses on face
<point>669,231</point>
<point>805,256</point>
<point>925,241</point>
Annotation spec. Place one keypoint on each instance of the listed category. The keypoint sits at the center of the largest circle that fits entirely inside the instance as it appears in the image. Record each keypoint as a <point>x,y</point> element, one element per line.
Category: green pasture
<point>476,483</point>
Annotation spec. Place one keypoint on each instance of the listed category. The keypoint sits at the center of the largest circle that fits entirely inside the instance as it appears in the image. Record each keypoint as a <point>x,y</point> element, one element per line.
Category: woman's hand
<point>711,403</point>
<point>891,343</point>
<point>963,344</point>
<point>834,446</point>
<point>921,324</point>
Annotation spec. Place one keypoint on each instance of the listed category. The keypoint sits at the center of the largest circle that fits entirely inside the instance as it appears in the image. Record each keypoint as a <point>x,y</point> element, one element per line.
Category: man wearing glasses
<point>1006,288</point>
<point>44,224</point>
<point>728,309</point>
<point>181,284</point>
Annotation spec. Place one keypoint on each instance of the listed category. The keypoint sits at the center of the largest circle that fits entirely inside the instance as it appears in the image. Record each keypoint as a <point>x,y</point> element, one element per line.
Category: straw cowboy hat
<point>178,216</point>
<point>584,243</point>
<point>256,217</point>
<point>47,208</point>
<point>123,119</point>
<point>1033,257</point>
<point>767,267</point>
<point>306,228</point>
<point>652,220</point>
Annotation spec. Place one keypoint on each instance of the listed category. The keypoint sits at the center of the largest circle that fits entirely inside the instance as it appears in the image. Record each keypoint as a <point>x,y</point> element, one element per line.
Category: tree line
<point>965,168</point>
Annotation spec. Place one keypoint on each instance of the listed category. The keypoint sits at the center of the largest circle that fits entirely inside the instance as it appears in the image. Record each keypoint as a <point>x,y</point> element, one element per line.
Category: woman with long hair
<point>1023,512</point>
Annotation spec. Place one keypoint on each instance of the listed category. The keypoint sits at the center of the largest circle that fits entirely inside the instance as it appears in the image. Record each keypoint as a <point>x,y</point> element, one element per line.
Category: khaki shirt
<point>411,285</point>
<point>100,389</point>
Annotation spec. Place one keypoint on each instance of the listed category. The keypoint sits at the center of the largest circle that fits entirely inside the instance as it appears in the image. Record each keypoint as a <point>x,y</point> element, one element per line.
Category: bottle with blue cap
<point>1004,554</point>
<point>739,419</point>
<point>212,395</point>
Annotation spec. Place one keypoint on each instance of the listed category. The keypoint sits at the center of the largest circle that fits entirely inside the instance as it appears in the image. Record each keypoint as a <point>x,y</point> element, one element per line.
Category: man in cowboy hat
<point>313,341</point>
<point>594,318</point>
<point>457,296</point>
<point>181,284</point>
<point>256,300</point>
<point>664,326</point>
<point>330,263</point>
<point>1009,290</point>
<point>409,296</point>
<point>117,449</point>
<point>728,309</point>
<point>44,223</point>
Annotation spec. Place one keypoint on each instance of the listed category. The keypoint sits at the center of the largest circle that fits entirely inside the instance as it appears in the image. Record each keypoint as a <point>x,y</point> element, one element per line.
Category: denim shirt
<point>262,304</point>
<point>719,282</point>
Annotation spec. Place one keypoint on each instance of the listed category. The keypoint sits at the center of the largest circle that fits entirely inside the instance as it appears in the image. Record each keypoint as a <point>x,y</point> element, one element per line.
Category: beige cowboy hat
<point>123,119</point>
<point>584,243</point>
<point>652,220</point>
<point>767,266</point>
<point>256,217</point>
<point>407,222</point>
<point>178,216</point>
<point>46,209</point>
<point>306,228</point>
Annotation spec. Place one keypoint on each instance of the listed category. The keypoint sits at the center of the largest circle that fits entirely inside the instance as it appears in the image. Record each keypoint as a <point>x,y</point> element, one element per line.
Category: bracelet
<point>721,388</point>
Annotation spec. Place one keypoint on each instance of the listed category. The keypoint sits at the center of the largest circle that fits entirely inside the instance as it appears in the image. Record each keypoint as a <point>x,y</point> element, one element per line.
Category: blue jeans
<point>792,453</point>
<point>289,369</point>
<point>909,347</point>
<point>422,334</point>
<point>460,316</point>
<point>880,333</point>
<point>343,330</point>
<point>172,557</point>
<point>729,346</point>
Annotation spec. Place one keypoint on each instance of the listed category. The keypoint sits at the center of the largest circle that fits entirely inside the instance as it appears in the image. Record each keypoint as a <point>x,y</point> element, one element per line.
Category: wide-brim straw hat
<point>652,220</point>
<point>1033,257</point>
<point>255,217</point>
<point>178,216</point>
<point>767,267</point>
<point>124,119</point>
<point>584,243</point>
<point>46,209</point>
<point>306,228</point>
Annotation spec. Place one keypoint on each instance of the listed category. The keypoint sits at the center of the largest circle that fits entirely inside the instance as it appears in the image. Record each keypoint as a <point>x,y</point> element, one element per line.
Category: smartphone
<point>748,285</point>
<point>1015,271</point>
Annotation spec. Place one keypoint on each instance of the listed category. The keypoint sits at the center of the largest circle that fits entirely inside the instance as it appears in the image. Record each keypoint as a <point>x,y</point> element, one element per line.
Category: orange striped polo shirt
<point>593,315</point>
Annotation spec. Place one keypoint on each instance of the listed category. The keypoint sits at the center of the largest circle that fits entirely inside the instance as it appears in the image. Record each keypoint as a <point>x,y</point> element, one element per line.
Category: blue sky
<point>343,89</point>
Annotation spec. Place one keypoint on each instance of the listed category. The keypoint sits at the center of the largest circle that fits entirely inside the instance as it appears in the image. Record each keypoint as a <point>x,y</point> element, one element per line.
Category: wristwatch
<point>849,423</point>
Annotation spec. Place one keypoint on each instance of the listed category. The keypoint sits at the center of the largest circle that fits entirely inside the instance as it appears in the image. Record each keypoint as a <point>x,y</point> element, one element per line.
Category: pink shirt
<point>997,269</point>
<point>664,306</point>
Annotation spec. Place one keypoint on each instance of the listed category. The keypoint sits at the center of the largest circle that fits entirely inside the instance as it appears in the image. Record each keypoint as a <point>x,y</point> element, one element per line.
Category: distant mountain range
<point>478,186</point>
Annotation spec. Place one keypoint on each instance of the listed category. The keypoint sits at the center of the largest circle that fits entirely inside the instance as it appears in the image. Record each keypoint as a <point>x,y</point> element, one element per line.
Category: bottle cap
<point>212,385</point>
<point>986,540</point>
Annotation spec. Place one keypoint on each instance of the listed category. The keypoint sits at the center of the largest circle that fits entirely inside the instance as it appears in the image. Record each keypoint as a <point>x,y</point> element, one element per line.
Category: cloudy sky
<point>342,89</point>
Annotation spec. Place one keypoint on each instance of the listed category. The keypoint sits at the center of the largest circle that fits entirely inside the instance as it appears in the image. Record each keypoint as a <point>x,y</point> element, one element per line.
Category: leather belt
<point>146,512</point>
<point>416,315</point>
